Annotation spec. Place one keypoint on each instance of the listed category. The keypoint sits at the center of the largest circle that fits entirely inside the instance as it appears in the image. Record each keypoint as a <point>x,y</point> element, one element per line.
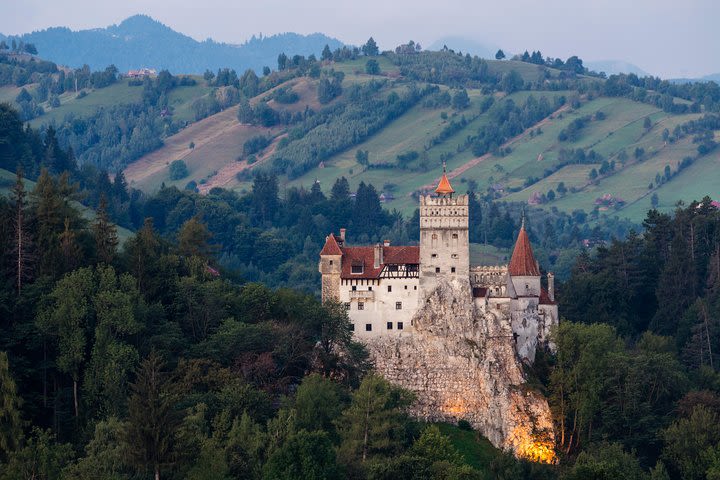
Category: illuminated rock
<point>461,363</point>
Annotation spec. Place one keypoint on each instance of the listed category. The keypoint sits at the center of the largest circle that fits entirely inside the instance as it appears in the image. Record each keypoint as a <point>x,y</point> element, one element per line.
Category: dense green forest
<point>159,356</point>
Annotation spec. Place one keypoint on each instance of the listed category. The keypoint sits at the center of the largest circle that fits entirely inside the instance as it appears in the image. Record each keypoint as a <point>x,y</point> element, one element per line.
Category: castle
<point>383,286</point>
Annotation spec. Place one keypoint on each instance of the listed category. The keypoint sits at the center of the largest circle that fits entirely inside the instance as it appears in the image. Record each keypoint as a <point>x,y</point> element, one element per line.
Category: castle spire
<point>444,187</point>
<point>522,262</point>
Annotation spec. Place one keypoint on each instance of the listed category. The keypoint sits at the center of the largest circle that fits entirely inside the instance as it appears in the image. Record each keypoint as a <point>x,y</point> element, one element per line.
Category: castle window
<point>357,269</point>
<point>434,240</point>
<point>455,255</point>
<point>434,255</point>
<point>354,287</point>
<point>347,305</point>
<point>398,305</point>
<point>389,288</point>
<point>452,269</point>
<point>389,325</point>
<point>400,325</point>
<point>352,327</point>
<point>331,262</point>
<point>368,327</point>
<point>369,289</point>
<point>405,287</point>
<point>437,269</point>
<point>361,305</point>
<point>415,287</point>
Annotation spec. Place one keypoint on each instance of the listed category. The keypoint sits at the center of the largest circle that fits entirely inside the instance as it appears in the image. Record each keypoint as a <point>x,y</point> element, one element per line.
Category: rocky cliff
<point>460,361</point>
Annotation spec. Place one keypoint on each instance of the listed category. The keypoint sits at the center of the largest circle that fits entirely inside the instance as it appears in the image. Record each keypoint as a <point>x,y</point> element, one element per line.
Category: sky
<point>678,38</point>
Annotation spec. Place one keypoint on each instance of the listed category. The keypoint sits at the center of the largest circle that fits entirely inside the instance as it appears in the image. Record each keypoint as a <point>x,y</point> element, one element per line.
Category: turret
<point>523,268</point>
<point>330,267</point>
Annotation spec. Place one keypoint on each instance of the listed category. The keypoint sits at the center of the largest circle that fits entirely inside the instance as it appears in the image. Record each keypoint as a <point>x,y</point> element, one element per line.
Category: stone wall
<point>461,364</point>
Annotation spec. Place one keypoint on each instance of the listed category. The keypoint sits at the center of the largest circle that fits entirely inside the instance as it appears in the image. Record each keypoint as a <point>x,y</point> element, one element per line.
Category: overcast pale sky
<point>670,38</point>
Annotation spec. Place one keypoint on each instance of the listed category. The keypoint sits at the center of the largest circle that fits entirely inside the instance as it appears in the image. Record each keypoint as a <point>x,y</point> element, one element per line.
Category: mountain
<point>140,41</point>
<point>612,67</point>
<point>465,45</point>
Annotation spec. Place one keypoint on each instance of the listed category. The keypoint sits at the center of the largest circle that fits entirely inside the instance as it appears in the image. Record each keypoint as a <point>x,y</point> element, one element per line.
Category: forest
<point>197,347</point>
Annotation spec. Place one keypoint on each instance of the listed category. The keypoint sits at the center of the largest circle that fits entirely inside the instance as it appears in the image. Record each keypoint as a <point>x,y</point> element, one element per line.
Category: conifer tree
<point>373,424</point>
<point>69,248</point>
<point>152,418</point>
<point>48,207</point>
<point>105,233</point>
<point>143,251</point>
<point>21,234</point>
<point>10,421</point>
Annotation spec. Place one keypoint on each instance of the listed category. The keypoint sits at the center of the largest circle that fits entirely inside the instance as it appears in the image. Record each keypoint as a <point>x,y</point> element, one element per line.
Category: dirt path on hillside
<point>177,146</point>
<point>228,173</point>
<point>477,160</point>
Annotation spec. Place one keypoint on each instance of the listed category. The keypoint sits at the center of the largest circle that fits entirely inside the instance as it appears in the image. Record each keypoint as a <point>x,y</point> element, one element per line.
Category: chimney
<point>378,255</point>
<point>342,235</point>
<point>386,243</point>
<point>551,286</point>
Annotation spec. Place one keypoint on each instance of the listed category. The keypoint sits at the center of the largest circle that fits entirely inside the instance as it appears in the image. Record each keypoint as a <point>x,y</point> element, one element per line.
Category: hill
<point>140,41</point>
<point>636,149</point>
<point>612,67</point>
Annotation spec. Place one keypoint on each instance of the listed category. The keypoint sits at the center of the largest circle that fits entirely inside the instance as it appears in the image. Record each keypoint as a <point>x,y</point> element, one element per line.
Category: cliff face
<point>461,363</point>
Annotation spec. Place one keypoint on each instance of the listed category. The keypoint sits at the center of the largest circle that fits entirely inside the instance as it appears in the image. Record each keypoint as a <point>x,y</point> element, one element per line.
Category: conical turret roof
<point>522,263</point>
<point>331,246</point>
<point>444,187</point>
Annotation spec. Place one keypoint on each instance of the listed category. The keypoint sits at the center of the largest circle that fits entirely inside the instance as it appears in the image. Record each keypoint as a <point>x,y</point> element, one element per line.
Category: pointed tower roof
<point>444,187</point>
<point>331,246</point>
<point>522,263</point>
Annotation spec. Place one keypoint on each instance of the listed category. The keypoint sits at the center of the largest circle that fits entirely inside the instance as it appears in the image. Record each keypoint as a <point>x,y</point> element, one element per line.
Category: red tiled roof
<point>522,263</point>
<point>545,298</point>
<point>331,246</point>
<point>365,256</point>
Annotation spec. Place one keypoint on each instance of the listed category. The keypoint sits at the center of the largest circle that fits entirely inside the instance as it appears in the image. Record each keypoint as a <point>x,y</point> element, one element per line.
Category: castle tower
<point>523,268</point>
<point>331,267</point>
<point>444,237</point>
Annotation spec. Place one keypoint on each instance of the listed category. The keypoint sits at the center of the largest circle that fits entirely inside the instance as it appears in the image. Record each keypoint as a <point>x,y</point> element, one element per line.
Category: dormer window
<point>357,269</point>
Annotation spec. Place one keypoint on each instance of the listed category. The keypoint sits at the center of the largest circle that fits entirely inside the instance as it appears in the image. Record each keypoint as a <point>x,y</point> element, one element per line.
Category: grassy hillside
<point>527,166</point>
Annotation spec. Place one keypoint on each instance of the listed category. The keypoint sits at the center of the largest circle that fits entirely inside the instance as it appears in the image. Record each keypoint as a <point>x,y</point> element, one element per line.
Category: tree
<point>318,403</point>
<point>362,157</point>
<point>326,54</point>
<point>264,198</point>
<point>499,55</point>
<point>21,234</point>
<point>303,456</point>
<point>69,248</point>
<point>152,419</point>
<point>65,318</point>
<point>654,200</point>
<point>686,442</point>
<point>551,195</point>
<point>193,239</point>
<point>341,189</point>
<point>178,170</point>
<point>593,174</point>
<point>10,421</point>
<point>373,424</point>
<point>40,458</point>
<point>372,67</point>
<point>461,100</point>
<point>105,234</point>
<point>561,189</point>
<point>370,48</point>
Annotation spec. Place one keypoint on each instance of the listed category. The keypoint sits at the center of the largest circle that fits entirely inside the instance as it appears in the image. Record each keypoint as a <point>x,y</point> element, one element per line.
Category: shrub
<point>178,169</point>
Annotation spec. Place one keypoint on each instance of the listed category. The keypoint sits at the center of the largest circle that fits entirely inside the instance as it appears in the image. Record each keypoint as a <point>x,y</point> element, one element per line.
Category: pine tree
<point>143,251</point>
<point>69,248</point>
<point>47,206</point>
<point>21,234</point>
<point>10,421</point>
<point>152,418</point>
<point>373,424</point>
<point>105,233</point>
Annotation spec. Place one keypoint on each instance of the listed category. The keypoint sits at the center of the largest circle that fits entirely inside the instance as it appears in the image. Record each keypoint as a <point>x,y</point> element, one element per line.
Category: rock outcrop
<point>460,361</point>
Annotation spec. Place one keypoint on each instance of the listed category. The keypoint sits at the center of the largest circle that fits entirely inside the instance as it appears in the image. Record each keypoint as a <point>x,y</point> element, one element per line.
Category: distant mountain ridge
<point>613,67</point>
<point>141,41</point>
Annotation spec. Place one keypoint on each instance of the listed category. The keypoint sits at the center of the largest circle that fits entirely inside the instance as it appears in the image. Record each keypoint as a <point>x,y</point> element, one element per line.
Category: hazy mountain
<point>141,41</point>
<point>615,66</point>
<point>465,45</point>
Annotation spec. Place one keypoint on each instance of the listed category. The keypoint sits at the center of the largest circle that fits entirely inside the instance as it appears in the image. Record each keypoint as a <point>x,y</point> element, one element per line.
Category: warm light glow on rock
<point>456,408</point>
<point>532,448</point>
